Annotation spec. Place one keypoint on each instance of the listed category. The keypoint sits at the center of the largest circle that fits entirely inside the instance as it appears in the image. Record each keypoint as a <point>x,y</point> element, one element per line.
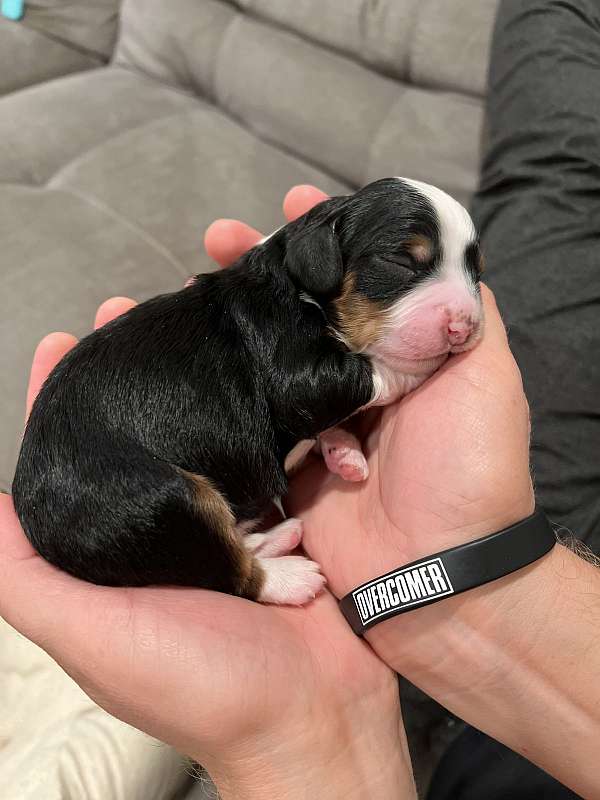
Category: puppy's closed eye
<point>403,265</point>
<point>380,278</point>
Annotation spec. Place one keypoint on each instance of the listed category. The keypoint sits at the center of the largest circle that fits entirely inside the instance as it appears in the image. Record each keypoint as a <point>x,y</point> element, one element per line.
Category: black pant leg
<point>538,210</point>
<point>476,767</point>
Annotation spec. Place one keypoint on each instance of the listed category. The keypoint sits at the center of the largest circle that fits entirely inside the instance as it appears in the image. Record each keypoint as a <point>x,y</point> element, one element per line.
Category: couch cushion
<point>90,27</point>
<point>435,44</point>
<point>44,127</point>
<point>426,44</point>
<point>56,37</point>
<point>28,57</point>
<point>338,111</point>
<point>439,141</point>
<point>174,175</point>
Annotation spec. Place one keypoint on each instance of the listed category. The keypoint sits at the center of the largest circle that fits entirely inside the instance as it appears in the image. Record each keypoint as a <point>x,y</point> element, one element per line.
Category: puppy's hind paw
<point>290,580</point>
<point>279,541</point>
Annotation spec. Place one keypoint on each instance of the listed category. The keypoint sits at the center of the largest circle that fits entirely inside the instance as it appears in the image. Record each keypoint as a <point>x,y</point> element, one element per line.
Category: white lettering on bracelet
<point>405,587</point>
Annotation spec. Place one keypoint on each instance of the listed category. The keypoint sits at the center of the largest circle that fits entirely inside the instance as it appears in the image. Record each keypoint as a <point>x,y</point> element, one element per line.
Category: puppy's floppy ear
<point>313,258</point>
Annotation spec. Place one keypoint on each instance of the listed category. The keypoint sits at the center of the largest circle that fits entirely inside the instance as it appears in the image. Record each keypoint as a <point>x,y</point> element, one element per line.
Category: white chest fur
<point>390,384</point>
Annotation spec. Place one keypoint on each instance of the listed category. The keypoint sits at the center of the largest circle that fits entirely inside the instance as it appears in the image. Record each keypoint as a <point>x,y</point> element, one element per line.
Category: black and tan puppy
<point>158,439</point>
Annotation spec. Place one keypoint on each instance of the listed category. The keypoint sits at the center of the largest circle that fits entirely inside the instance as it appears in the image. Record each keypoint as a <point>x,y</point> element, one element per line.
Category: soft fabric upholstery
<point>438,45</point>
<point>56,37</point>
<point>27,57</point>
<point>339,109</point>
<point>90,26</point>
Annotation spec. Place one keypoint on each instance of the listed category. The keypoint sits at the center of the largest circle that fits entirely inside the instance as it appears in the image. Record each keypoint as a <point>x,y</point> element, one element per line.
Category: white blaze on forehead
<point>457,232</point>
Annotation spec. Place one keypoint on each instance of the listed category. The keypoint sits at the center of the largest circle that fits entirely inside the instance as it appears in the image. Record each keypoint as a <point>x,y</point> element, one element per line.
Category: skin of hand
<point>272,701</point>
<point>450,463</point>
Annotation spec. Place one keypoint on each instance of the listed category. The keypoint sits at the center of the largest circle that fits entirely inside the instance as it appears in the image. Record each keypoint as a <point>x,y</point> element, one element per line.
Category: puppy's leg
<point>343,454</point>
<point>279,541</point>
<point>290,580</point>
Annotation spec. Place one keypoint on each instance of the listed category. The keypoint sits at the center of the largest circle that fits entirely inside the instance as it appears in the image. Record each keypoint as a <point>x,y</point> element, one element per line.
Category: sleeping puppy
<point>160,439</point>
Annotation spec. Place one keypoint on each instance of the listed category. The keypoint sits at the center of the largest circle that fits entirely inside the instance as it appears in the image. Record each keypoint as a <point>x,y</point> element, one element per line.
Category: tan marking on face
<point>359,319</point>
<point>481,262</point>
<point>420,248</point>
<point>247,574</point>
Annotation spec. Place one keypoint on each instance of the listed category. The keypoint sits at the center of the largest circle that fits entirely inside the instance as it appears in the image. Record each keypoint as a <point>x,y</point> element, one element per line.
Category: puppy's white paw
<point>349,464</point>
<point>278,541</point>
<point>343,455</point>
<point>290,580</point>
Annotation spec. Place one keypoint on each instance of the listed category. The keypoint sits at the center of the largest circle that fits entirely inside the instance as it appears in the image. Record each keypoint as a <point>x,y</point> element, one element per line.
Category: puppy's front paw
<point>343,455</point>
<point>290,580</point>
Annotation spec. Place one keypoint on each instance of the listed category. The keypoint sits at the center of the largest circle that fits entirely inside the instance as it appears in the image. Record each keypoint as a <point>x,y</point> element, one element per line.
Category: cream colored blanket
<point>56,744</point>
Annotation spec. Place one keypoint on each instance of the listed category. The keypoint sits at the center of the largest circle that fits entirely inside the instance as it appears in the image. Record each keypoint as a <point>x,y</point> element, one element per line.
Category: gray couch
<point>111,170</point>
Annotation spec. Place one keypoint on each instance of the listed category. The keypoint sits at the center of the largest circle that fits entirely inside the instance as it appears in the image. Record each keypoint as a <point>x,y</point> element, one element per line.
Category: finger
<point>47,355</point>
<point>491,363</point>
<point>112,308</point>
<point>301,199</point>
<point>226,240</point>
<point>14,546</point>
<point>35,598</point>
<point>495,332</point>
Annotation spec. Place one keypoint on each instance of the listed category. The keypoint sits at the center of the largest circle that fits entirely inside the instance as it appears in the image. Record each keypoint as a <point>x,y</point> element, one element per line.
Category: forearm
<point>518,659</point>
<point>350,759</point>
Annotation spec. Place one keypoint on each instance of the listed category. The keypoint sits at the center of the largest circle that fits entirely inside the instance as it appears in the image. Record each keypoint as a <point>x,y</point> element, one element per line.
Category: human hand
<point>271,700</point>
<point>447,464</point>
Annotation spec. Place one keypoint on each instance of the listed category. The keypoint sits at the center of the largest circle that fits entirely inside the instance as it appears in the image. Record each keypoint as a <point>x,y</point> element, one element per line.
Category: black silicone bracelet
<point>448,573</point>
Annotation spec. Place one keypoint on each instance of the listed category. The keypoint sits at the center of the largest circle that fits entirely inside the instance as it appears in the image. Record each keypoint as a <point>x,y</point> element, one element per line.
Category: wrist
<point>516,658</point>
<point>334,755</point>
<point>421,640</point>
<point>482,654</point>
<point>460,639</point>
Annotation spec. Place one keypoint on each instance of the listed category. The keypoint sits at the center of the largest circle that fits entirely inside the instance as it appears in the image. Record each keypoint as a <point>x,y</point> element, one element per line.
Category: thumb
<point>33,612</point>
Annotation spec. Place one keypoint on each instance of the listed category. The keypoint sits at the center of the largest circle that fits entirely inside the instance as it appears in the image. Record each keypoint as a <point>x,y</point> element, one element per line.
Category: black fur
<point>473,262</point>
<point>221,379</point>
